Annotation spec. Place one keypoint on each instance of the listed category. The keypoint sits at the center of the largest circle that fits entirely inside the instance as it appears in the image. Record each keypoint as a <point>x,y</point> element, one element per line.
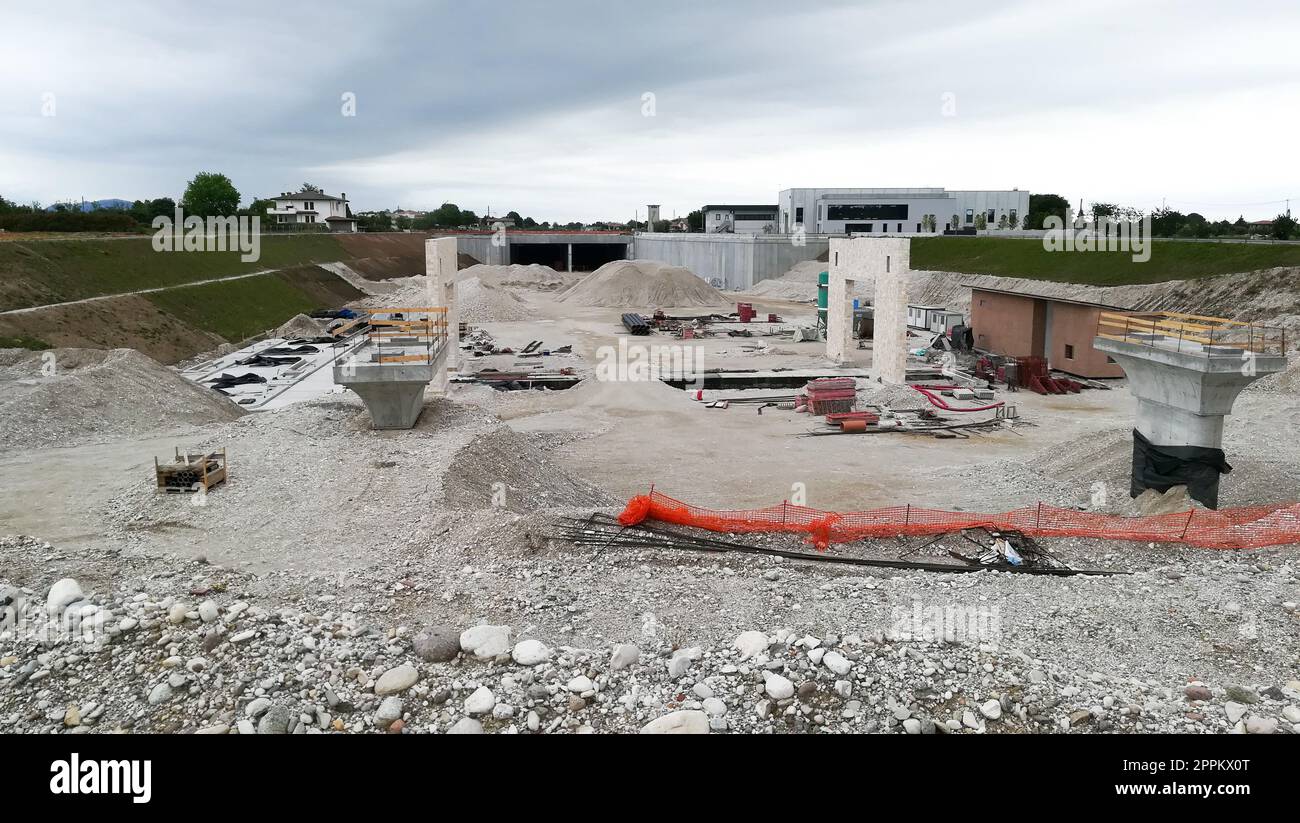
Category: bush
<point>102,220</point>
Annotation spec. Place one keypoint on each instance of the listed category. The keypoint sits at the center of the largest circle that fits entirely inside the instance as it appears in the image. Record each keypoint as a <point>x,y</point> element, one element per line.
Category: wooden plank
<point>405,358</point>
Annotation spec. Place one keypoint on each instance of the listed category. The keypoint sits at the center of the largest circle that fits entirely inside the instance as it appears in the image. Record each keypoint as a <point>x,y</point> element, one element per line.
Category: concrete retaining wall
<point>729,261</point>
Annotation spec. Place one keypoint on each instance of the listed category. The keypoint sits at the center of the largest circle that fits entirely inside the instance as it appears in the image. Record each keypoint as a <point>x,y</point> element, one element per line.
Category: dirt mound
<point>480,302</point>
<point>74,396</point>
<point>643,284</point>
<point>532,276</point>
<point>798,285</point>
<point>506,469</point>
<point>1268,296</point>
<point>301,326</point>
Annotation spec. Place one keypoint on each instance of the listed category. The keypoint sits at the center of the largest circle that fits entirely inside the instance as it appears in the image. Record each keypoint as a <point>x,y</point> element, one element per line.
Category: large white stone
<point>778,687</point>
<point>750,644</point>
<point>481,701</point>
<point>837,663</point>
<point>683,722</point>
<point>62,593</point>
<point>530,652</point>
<point>485,642</point>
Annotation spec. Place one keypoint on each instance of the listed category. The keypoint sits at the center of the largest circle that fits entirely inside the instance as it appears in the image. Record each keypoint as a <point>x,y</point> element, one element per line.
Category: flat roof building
<point>897,211</point>
<point>1060,330</point>
<point>737,219</point>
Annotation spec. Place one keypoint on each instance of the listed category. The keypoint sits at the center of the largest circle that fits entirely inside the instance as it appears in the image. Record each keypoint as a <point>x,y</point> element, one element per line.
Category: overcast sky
<point>540,107</point>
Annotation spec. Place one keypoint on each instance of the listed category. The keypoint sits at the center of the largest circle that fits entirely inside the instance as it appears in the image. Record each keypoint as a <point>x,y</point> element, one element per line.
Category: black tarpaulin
<point>1163,467</point>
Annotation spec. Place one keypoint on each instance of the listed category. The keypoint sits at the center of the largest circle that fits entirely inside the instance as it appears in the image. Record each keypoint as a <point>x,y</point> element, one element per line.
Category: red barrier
<point>1250,527</point>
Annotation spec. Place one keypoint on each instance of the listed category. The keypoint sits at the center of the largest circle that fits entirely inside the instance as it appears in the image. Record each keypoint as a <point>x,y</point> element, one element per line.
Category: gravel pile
<point>509,469</point>
<point>531,276</point>
<point>480,302</point>
<point>301,326</point>
<point>642,284</point>
<point>799,284</point>
<point>72,397</point>
<point>194,650</point>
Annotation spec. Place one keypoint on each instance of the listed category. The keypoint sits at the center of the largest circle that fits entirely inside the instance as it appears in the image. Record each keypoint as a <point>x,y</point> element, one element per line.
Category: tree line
<point>1165,222</point>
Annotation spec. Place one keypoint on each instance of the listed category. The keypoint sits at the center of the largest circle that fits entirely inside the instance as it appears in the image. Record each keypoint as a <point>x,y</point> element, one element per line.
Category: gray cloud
<point>537,106</point>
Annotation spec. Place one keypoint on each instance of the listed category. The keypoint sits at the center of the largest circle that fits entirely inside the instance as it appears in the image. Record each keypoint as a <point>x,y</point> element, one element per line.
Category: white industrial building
<point>895,211</point>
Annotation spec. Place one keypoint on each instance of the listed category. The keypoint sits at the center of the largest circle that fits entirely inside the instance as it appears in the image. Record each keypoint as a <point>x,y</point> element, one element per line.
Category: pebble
<point>396,680</point>
<point>624,655</point>
<point>778,687</point>
<point>466,725</point>
<point>436,644</point>
<point>481,701</point>
<point>160,694</point>
<point>530,652</point>
<point>390,710</point>
<point>837,663</point>
<point>992,709</point>
<point>208,611</point>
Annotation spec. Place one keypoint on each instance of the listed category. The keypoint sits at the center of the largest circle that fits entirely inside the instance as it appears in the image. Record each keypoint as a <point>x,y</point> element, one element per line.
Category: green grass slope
<point>239,309</point>
<point>34,273</point>
<point>1170,260</point>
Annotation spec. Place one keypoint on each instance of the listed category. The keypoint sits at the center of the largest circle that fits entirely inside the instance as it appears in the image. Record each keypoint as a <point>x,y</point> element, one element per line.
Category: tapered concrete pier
<point>404,351</point>
<point>1186,372</point>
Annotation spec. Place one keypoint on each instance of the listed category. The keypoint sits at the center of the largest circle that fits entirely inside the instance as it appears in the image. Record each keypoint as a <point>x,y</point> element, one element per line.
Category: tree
<point>1283,226</point>
<point>1195,225</point>
<point>1002,221</point>
<point>258,208</point>
<point>695,220</point>
<point>956,222</point>
<point>530,223</point>
<point>210,195</point>
<point>1042,206</point>
<point>1104,210</point>
<point>981,221</point>
<point>514,215</point>
<point>446,215</point>
<point>1167,222</point>
<point>312,188</point>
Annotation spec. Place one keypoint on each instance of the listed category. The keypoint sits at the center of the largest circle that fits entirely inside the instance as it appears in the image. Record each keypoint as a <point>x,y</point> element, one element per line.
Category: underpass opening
<point>555,255</point>
<point>591,256</point>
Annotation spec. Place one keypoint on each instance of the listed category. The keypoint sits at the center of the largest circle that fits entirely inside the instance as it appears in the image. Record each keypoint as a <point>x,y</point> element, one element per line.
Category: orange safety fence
<point>1250,527</point>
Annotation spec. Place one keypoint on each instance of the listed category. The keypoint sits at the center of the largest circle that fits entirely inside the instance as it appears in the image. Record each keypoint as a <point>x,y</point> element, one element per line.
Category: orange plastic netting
<point>1250,527</point>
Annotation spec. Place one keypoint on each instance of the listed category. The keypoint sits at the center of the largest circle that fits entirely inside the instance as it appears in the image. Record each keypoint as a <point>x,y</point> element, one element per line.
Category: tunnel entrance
<point>591,256</point>
<point>586,256</point>
<point>555,255</point>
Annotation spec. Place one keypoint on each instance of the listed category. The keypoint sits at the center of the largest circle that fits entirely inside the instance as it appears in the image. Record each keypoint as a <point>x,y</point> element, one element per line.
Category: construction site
<point>481,496</point>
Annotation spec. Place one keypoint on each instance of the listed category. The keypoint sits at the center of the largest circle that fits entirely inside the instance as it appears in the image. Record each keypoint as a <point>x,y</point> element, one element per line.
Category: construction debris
<point>191,472</point>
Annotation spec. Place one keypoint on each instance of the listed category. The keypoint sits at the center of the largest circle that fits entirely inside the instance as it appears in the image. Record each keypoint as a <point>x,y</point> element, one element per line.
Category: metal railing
<point>403,329</point>
<point>1192,333</point>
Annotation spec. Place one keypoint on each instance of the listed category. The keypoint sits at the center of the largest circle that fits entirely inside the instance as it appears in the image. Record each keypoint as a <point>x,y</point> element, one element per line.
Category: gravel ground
<point>189,647</point>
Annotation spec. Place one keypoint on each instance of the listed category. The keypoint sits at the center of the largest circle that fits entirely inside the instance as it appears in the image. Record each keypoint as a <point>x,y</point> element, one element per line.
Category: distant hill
<point>93,205</point>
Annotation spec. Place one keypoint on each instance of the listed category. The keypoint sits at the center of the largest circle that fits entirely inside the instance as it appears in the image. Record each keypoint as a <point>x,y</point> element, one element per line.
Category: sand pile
<point>643,284</point>
<point>480,302</point>
<point>507,469</point>
<point>76,396</point>
<point>798,285</point>
<point>301,326</point>
<point>532,276</point>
